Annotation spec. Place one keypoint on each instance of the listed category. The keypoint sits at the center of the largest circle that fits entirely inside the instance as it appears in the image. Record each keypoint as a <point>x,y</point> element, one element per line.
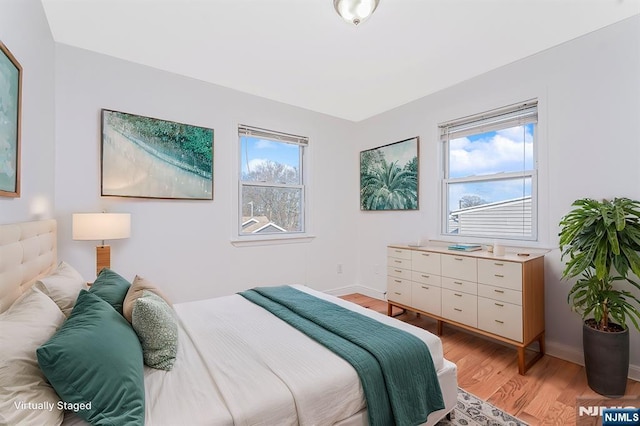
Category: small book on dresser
<point>465,247</point>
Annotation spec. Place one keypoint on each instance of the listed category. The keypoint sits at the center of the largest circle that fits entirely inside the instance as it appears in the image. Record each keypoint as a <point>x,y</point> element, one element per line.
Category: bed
<point>236,363</point>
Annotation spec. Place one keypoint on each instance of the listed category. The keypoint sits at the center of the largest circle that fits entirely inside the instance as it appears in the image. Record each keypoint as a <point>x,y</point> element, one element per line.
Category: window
<point>490,170</point>
<point>272,191</point>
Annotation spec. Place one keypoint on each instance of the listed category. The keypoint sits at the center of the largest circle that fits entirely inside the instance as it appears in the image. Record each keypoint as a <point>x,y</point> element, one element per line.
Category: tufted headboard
<point>27,253</point>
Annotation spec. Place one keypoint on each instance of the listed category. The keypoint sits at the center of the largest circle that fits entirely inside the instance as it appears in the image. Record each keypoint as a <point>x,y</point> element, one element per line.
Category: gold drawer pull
<point>457,282</point>
<point>425,254</point>
<point>499,322</point>
<point>399,294</point>
<point>398,261</point>
<point>456,294</point>
<point>457,309</point>
<point>499,291</point>
<point>498,264</point>
<point>458,258</point>
<point>398,281</point>
<point>398,251</point>
<point>398,270</point>
<point>425,287</point>
<point>499,304</point>
<point>499,275</point>
<point>425,276</point>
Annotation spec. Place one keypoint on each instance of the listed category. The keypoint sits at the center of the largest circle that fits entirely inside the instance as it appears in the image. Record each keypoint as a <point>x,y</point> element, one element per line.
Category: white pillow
<point>63,286</point>
<point>25,395</point>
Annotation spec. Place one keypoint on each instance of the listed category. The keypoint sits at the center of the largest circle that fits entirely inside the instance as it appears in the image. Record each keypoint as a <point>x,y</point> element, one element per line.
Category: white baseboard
<point>571,354</point>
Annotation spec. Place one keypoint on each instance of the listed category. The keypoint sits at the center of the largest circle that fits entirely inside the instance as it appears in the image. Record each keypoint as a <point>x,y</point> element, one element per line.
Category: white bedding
<point>285,378</point>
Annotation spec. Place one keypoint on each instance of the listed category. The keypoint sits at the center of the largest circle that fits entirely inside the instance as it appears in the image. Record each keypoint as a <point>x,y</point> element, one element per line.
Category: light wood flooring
<point>546,395</point>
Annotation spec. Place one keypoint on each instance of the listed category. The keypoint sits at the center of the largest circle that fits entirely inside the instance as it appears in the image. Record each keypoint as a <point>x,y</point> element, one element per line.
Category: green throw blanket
<point>395,367</point>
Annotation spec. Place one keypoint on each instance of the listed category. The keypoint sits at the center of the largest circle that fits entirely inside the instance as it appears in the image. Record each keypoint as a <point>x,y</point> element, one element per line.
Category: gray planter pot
<point>606,360</point>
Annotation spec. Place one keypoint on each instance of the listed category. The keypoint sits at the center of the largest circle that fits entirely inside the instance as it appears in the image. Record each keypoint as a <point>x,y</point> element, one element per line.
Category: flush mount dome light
<point>355,11</point>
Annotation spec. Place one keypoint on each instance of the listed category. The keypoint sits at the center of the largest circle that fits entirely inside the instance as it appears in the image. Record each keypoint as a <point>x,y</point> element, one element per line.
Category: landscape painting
<point>10,85</point>
<point>389,176</point>
<point>150,158</point>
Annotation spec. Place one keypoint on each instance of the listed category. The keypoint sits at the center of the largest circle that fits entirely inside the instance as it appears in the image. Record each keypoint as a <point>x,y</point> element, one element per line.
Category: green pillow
<point>111,287</point>
<point>156,326</point>
<point>94,363</point>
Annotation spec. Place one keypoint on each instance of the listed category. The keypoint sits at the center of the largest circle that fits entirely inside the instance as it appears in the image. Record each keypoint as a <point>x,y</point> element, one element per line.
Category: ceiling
<point>302,53</point>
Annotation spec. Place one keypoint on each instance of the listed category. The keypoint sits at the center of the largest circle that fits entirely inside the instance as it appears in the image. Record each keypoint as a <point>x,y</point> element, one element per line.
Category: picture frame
<point>389,176</point>
<point>10,123</point>
<point>145,157</point>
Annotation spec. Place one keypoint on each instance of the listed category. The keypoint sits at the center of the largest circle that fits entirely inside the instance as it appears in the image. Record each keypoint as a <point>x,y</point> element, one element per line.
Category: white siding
<point>507,219</point>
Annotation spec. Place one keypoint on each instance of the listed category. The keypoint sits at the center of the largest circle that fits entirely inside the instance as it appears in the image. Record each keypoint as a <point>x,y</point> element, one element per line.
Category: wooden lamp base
<point>103,258</point>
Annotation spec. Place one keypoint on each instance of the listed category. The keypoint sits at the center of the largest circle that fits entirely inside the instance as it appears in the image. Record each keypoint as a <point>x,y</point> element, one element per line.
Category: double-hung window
<point>489,183</point>
<point>272,190</point>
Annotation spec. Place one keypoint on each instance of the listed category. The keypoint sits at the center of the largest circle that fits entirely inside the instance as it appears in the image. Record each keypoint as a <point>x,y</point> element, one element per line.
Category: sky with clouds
<point>503,151</point>
<point>255,151</point>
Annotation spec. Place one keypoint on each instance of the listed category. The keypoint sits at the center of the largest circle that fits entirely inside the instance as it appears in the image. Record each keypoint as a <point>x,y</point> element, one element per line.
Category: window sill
<point>271,240</point>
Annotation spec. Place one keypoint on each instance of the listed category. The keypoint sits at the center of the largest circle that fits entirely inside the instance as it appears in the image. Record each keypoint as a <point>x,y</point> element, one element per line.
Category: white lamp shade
<point>101,226</point>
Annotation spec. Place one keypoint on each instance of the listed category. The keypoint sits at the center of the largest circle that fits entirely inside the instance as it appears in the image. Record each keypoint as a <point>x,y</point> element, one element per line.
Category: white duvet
<point>237,364</point>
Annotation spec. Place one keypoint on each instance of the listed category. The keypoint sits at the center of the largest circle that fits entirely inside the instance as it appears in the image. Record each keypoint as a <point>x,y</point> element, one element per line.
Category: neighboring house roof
<point>259,224</point>
<point>510,218</point>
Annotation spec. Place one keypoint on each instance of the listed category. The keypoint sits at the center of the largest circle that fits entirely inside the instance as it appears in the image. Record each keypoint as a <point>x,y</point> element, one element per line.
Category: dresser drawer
<point>399,253</point>
<point>460,285</point>
<point>426,278</point>
<point>393,271</point>
<point>395,262</point>
<point>399,290</point>
<point>460,307</point>
<point>501,318</point>
<point>426,298</point>
<point>423,261</point>
<point>461,267</point>
<point>501,274</point>
<point>500,294</point>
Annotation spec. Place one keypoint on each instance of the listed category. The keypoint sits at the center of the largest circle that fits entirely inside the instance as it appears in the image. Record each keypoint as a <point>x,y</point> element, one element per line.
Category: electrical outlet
<point>339,268</point>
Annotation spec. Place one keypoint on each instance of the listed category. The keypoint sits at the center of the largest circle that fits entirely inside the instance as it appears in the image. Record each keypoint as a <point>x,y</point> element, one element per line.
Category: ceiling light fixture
<point>355,11</point>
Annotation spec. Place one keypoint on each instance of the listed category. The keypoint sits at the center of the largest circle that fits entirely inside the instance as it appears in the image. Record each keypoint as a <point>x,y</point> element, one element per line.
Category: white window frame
<point>284,237</point>
<point>502,118</point>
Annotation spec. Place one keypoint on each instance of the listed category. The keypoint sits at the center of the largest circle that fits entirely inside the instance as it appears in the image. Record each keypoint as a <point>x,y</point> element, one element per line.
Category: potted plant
<point>601,240</point>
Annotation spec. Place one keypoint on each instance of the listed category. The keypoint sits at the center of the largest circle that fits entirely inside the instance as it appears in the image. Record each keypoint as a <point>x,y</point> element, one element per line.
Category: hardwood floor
<point>546,395</point>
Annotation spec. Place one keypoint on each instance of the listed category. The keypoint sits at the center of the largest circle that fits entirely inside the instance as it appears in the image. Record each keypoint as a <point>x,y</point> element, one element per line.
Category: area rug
<point>472,411</point>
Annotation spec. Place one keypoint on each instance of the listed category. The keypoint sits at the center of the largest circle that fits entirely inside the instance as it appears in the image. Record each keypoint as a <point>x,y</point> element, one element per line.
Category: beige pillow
<point>135,291</point>
<point>25,395</point>
<point>63,286</point>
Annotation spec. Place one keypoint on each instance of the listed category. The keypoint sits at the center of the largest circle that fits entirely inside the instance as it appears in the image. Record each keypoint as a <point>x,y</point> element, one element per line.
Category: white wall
<point>184,246</point>
<point>589,101</point>
<point>589,93</point>
<point>25,32</point>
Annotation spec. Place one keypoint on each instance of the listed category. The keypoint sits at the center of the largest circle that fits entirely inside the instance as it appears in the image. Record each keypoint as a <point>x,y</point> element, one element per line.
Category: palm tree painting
<point>389,176</point>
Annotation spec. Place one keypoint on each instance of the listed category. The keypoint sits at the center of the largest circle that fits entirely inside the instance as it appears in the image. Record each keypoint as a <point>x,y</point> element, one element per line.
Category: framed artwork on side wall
<point>147,157</point>
<point>389,176</point>
<point>10,103</point>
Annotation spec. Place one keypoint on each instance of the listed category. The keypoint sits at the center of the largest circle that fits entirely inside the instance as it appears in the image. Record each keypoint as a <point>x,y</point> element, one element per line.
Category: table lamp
<point>101,227</point>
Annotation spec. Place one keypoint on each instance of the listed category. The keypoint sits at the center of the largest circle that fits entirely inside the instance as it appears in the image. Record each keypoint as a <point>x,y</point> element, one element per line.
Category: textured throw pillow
<point>135,291</point>
<point>25,396</point>
<point>94,362</point>
<point>62,286</point>
<point>156,326</point>
<point>111,287</point>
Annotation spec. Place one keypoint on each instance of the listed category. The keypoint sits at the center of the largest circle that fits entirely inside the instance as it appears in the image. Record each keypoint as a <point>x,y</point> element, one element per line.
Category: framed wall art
<point>389,176</point>
<point>10,114</point>
<point>147,157</point>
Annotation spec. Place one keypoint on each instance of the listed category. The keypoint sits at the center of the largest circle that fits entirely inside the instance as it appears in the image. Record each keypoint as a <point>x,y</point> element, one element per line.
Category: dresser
<point>501,297</point>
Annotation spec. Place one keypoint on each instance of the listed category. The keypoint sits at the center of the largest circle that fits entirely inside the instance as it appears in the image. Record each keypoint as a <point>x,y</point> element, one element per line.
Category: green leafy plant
<point>601,240</point>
